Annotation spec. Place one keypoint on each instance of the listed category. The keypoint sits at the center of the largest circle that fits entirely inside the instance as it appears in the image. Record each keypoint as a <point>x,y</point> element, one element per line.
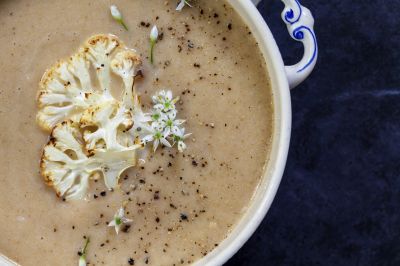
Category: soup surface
<point>182,204</point>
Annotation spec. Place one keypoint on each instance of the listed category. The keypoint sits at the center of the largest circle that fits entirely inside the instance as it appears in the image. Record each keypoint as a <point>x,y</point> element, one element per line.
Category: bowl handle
<point>300,24</point>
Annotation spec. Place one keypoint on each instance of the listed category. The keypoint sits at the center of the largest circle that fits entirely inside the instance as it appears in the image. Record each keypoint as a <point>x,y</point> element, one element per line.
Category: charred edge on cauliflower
<point>66,90</point>
<point>95,119</point>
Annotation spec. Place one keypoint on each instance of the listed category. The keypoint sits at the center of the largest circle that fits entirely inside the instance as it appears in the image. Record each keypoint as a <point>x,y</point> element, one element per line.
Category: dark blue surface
<point>339,200</point>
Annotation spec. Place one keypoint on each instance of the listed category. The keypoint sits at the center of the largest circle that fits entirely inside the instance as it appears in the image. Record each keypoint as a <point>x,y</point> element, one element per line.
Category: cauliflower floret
<point>64,164</point>
<point>66,89</point>
<point>107,119</point>
<point>61,96</point>
<point>104,124</point>
<point>126,65</point>
<point>79,66</point>
<point>98,50</point>
<point>67,167</point>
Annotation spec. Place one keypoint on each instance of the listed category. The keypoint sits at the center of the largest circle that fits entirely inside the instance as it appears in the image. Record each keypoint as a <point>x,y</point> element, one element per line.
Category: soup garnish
<point>91,131</point>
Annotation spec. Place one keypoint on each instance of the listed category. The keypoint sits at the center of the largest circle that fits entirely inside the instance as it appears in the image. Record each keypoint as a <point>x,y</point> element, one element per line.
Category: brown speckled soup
<point>182,204</point>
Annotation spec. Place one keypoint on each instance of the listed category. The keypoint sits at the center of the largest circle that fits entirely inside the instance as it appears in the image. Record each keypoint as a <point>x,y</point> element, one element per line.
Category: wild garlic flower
<point>82,257</point>
<point>157,137</point>
<point>165,127</point>
<point>156,115</point>
<point>179,139</point>
<point>164,102</point>
<point>173,125</point>
<point>153,40</point>
<point>119,219</point>
<point>116,14</point>
<point>182,4</point>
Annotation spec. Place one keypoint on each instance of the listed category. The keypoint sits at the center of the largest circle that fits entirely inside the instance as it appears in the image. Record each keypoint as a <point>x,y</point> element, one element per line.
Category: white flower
<point>182,4</point>
<point>173,125</point>
<point>181,146</point>
<point>119,219</point>
<point>161,96</point>
<point>179,138</point>
<point>165,128</point>
<point>171,114</point>
<point>153,40</point>
<point>163,101</point>
<point>157,136</point>
<point>154,34</point>
<point>156,115</point>
<point>116,14</point>
<point>82,261</point>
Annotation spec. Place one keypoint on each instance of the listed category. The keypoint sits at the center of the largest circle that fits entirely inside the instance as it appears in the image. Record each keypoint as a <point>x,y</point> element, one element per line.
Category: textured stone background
<point>339,201</point>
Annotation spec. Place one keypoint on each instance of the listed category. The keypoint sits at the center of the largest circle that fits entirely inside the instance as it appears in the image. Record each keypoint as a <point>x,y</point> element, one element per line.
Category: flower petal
<point>155,144</point>
<point>126,220</point>
<point>168,96</point>
<point>181,146</point>
<point>148,138</point>
<point>165,142</point>
<point>181,5</point>
<point>179,122</point>
<point>167,132</point>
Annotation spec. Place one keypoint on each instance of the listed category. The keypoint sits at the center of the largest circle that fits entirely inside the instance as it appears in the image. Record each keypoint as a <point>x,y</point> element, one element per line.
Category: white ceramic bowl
<point>300,25</point>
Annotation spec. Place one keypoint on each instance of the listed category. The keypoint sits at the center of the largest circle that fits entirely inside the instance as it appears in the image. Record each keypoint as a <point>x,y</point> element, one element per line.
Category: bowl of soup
<point>159,131</point>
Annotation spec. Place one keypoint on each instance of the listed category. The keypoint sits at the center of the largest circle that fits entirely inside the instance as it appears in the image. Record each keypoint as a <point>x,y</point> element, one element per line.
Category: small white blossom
<point>164,102</point>
<point>165,128</point>
<point>179,138</point>
<point>181,146</point>
<point>157,136</point>
<point>182,4</point>
<point>154,34</point>
<point>159,126</point>
<point>162,96</point>
<point>156,115</point>
<point>119,220</point>
<point>116,14</point>
<point>82,261</point>
<point>153,40</point>
<point>173,125</point>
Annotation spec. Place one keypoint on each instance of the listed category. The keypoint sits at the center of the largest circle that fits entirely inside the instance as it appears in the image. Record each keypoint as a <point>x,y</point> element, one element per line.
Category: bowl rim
<point>273,172</point>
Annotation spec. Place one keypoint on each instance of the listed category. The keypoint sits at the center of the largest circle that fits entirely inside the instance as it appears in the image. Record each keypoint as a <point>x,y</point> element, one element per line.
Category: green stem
<point>121,21</point>
<point>152,44</point>
<point>86,245</point>
<point>187,2</point>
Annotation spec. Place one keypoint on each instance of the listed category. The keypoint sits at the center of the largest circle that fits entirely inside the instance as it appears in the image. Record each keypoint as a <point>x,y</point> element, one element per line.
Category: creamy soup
<point>182,204</point>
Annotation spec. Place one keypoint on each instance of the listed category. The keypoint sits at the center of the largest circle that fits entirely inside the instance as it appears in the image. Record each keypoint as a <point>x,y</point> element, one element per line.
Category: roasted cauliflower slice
<point>91,130</point>
<point>66,89</point>
<point>67,167</point>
